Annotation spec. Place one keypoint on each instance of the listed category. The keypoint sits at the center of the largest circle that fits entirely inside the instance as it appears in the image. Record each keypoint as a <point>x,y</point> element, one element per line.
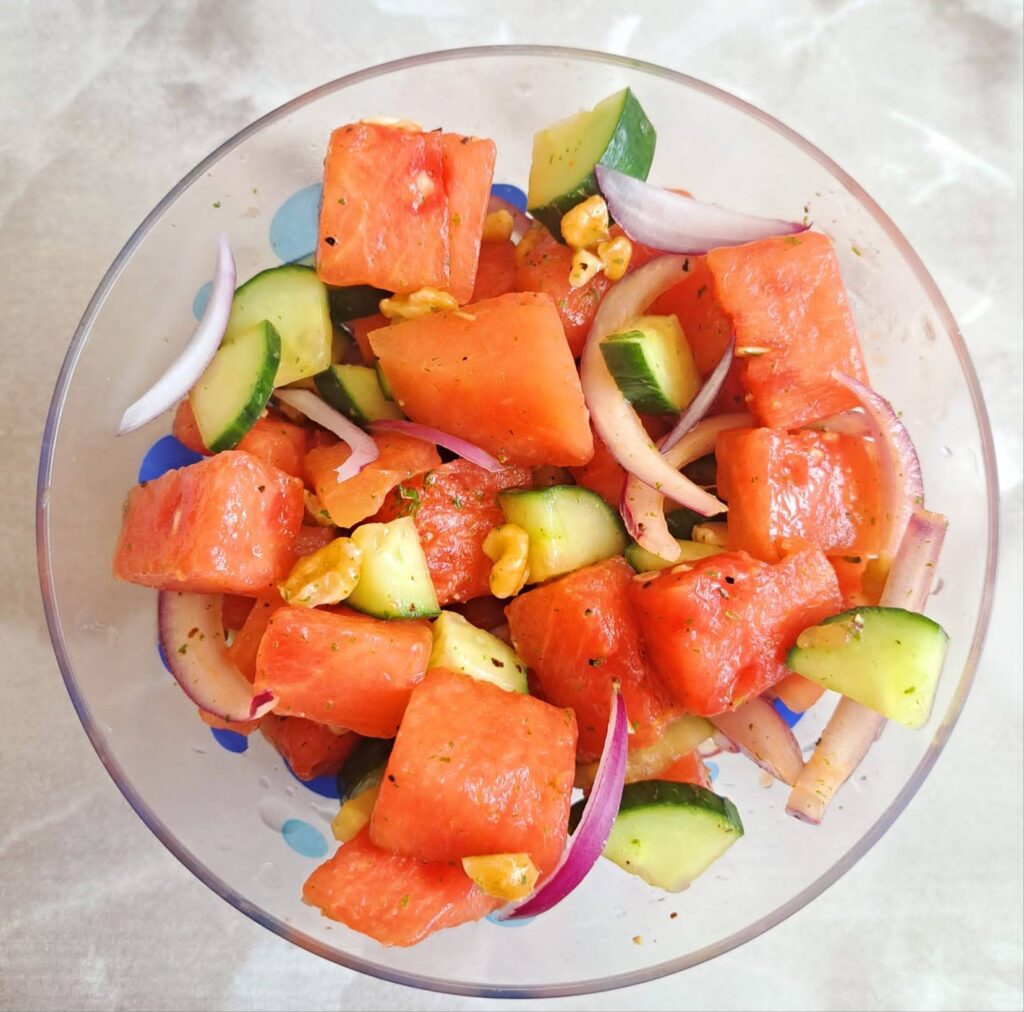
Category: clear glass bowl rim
<point>381,970</point>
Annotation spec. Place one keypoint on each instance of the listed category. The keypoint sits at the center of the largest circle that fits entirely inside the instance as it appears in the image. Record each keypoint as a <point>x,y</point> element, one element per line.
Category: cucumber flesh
<point>888,659</point>
<point>615,133</point>
<point>354,302</point>
<point>355,391</point>
<point>682,521</point>
<point>652,364</point>
<point>234,389</point>
<point>394,581</point>
<point>644,561</point>
<point>704,472</point>
<point>364,768</point>
<point>668,833</point>
<point>385,386</point>
<point>461,646</point>
<point>294,300</point>
<point>341,342</point>
<point>681,736</point>
<point>569,527</point>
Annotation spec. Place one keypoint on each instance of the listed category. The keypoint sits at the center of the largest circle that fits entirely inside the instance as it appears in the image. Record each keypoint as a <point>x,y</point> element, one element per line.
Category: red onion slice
<point>191,631</point>
<point>898,465</point>
<point>587,843</point>
<point>910,577</point>
<point>521,222</point>
<point>364,449</point>
<point>463,448</point>
<point>613,416</point>
<point>853,727</point>
<point>701,404</point>
<point>758,731</point>
<point>643,508</point>
<point>677,224</point>
<point>192,362</point>
<point>848,423</point>
<point>850,732</point>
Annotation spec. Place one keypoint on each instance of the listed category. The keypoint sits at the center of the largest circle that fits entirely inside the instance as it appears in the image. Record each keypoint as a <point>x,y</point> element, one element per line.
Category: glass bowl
<point>240,821</point>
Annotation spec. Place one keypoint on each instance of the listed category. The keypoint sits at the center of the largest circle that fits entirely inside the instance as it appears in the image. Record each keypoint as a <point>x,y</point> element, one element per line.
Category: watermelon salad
<point>509,518</point>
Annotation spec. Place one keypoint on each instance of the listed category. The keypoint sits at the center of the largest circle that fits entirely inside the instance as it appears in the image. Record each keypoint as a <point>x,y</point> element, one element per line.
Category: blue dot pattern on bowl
<point>165,455</point>
<point>791,717</point>
<point>519,922</point>
<point>293,228</point>
<point>230,740</point>
<point>326,786</point>
<point>304,839</point>
<point>202,297</point>
<point>506,191</point>
<point>712,770</point>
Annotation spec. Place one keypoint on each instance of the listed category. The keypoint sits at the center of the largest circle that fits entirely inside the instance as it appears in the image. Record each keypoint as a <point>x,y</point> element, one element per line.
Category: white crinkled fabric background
<point>104,106</point>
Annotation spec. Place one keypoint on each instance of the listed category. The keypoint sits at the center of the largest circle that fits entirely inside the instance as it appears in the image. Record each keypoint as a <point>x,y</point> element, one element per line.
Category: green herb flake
<point>404,901</point>
<point>216,203</point>
<point>855,250</point>
<point>412,500</point>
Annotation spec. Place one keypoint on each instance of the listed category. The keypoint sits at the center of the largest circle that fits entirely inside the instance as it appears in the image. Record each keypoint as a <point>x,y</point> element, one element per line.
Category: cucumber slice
<point>364,768</point>
<point>341,342</point>
<point>294,300</point>
<point>355,813</point>
<point>668,833</point>
<point>681,736</point>
<point>461,646</point>
<point>615,133</point>
<point>682,521</point>
<point>652,364</point>
<point>394,581</point>
<point>644,561</point>
<point>354,302</point>
<point>355,391</point>
<point>886,658</point>
<point>234,389</point>
<point>704,472</point>
<point>385,386</point>
<point>569,527</point>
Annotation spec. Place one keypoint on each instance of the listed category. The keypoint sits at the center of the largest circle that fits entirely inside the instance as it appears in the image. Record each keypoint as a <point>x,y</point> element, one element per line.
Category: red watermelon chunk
<point>497,373</point>
<point>339,667</point>
<point>226,524</point>
<point>579,635</point>
<point>719,631</point>
<point>788,307</point>
<point>395,900</point>
<point>310,749</point>
<point>468,171</point>
<point>455,506</point>
<point>477,770</point>
<point>819,488</point>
